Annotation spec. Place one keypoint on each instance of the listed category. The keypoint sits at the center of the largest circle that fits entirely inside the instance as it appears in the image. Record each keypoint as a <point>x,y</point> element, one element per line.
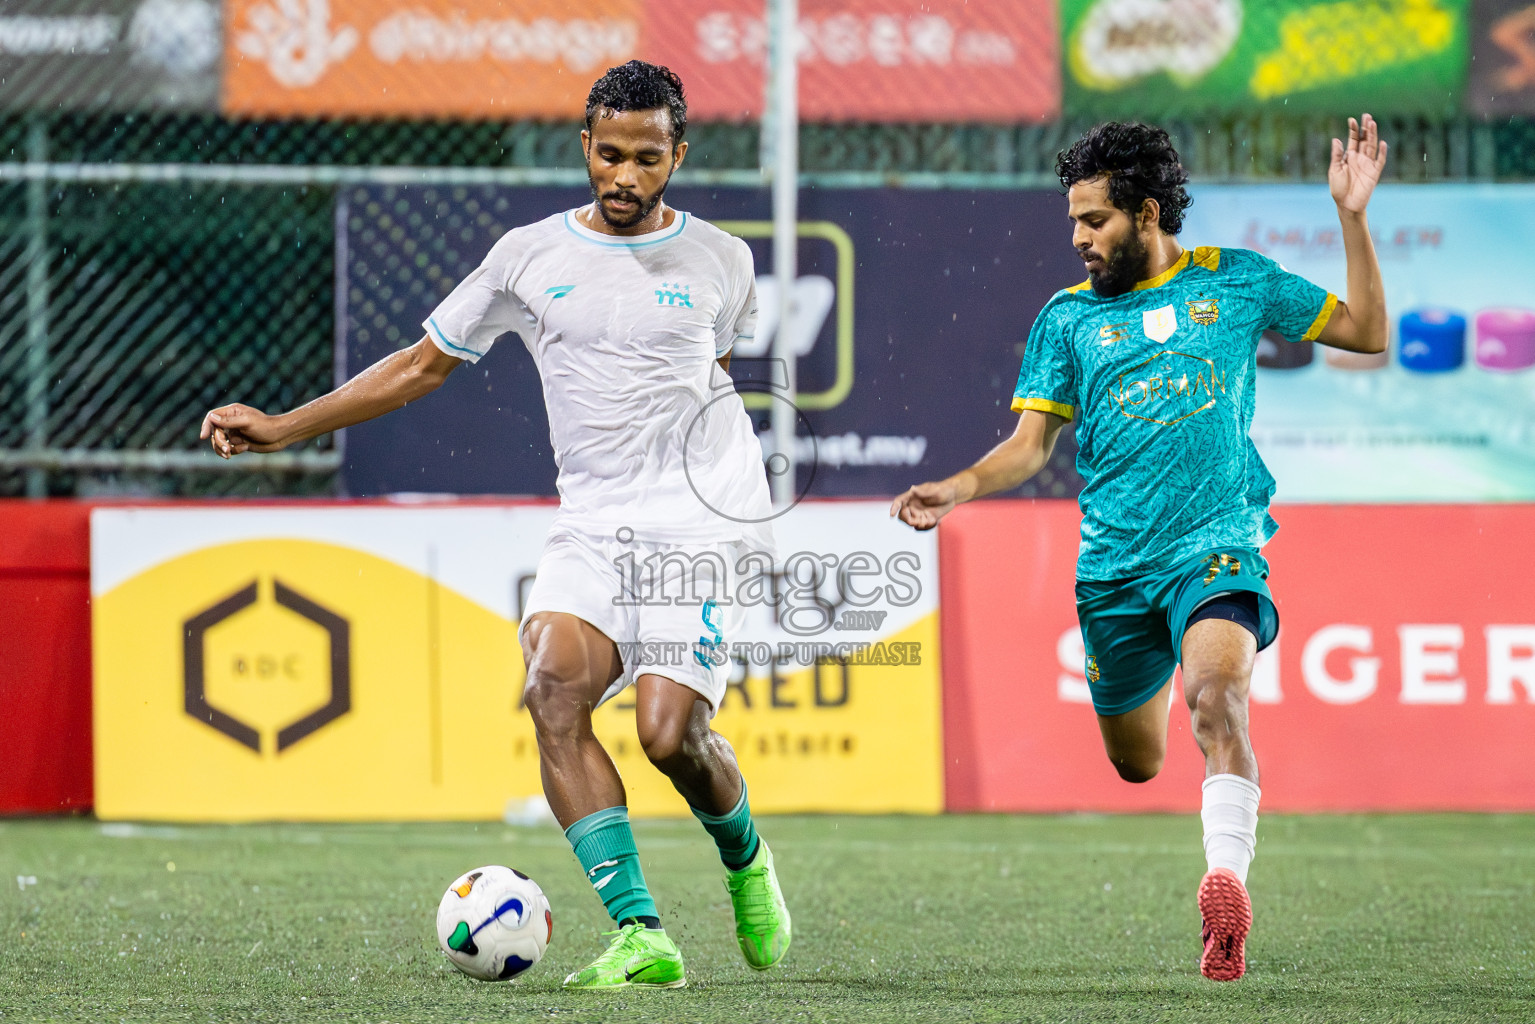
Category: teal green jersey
<point>1164,379</point>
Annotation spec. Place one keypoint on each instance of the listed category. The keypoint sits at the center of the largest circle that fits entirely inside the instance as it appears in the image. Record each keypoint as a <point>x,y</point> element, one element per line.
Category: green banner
<point>1169,58</point>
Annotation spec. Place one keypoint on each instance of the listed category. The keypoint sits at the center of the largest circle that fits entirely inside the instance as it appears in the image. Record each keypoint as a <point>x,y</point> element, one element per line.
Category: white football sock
<point>1230,815</point>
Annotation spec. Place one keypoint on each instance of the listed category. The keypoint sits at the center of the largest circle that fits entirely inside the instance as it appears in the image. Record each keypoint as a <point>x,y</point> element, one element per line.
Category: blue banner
<point>914,307</point>
<point>1448,413</point>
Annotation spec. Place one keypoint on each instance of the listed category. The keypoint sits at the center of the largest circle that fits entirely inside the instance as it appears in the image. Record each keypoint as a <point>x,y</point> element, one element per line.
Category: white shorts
<point>659,603</point>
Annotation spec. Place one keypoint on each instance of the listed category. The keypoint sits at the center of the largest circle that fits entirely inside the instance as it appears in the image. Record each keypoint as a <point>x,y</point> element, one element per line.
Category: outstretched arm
<point>1359,323</point>
<point>1001,469</point>
<point>388,384</point>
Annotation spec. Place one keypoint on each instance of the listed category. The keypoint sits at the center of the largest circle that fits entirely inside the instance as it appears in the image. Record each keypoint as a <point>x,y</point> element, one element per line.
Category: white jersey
<point>648,431</point>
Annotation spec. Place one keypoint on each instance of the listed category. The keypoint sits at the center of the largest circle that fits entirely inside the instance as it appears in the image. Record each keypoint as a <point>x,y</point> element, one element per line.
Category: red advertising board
<point>1404,675</point>
<point>45,657</point>
<point>868,60</point>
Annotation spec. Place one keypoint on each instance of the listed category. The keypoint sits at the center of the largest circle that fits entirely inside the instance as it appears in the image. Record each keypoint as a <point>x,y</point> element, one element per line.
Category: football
<point>494,923</point>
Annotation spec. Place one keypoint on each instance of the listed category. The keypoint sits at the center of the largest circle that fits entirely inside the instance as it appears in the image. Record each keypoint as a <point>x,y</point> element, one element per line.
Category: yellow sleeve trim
<point>1320,322</point>
<point>1065,412</point>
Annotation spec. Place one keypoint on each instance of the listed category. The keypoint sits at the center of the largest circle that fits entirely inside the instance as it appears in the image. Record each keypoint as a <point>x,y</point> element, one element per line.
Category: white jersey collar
<point>581,231</point>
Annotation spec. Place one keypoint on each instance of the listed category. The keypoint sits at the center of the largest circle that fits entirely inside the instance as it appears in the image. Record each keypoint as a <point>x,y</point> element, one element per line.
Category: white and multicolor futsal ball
<point>494,923</point>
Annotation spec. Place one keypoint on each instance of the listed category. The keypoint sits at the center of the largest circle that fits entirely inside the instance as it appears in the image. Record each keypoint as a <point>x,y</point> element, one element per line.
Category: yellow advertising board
<point>362,663</point>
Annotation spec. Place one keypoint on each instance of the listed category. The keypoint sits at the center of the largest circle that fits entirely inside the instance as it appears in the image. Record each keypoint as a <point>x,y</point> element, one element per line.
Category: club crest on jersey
<point>674,295</point>
<point>1160,324</point>
<point>1204,311</point>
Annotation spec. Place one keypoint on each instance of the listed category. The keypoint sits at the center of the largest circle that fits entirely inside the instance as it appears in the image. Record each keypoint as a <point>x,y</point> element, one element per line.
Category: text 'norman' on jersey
<point>1164,379</point>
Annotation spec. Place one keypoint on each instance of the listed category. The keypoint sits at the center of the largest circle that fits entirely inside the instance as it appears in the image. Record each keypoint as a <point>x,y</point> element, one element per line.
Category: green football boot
<point>762,917</point>
<point>638,958</point>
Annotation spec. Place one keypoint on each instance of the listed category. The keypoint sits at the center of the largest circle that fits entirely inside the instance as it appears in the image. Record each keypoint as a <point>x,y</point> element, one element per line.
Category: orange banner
<point>873,60</point>
<point>423,58</point>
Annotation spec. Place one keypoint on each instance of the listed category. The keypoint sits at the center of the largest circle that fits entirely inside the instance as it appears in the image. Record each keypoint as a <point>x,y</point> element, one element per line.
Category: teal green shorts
<point>1133,629</point>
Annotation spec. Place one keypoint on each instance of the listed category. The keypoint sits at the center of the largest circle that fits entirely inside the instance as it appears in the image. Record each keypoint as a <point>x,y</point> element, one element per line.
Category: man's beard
<point>641,210</point>
<point>1123,268</point>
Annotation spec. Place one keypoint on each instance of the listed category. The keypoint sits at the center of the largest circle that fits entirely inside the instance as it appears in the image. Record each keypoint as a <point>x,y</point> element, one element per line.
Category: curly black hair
<point>638,85</point>
<point>1141,164</point>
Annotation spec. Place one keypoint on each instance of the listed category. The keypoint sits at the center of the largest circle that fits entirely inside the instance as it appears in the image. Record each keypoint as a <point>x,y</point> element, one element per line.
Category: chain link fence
<point>1261,147</point>
<point>129,306</point>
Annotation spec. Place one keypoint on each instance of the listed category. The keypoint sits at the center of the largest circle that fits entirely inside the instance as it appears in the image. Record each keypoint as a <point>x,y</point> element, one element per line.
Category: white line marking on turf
<point>128,830</point>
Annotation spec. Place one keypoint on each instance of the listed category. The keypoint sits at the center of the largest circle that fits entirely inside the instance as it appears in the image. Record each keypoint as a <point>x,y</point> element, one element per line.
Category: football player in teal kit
<point>1155,356</point>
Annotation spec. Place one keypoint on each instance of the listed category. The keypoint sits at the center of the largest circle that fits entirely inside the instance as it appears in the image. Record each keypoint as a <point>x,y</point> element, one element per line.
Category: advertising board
<point>1403,677</point>
<point>362,663</point>
<point>1502,79</point>
<point>1448,414</point>
<point>433,58</point>
<point>859,59</point>
<point>110,54</point>
<point>913,309</point>
<point>1145,59</point>
<point>868,60</point>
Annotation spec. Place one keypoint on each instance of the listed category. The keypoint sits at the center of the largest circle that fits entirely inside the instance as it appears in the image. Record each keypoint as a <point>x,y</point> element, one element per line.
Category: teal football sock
<point>604,845</point>
<point>733,833</point>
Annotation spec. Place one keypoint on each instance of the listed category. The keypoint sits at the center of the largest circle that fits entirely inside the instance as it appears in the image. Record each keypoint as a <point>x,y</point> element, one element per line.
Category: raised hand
<point>1356,168</point>
<point>923,505</point>
<point>239,428</point>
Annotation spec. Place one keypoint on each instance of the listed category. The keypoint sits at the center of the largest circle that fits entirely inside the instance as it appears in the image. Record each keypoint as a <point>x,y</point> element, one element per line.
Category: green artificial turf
<point>965,918</point>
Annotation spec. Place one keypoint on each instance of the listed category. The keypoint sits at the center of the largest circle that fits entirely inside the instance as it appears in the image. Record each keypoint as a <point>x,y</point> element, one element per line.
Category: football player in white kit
<point>630,309</point>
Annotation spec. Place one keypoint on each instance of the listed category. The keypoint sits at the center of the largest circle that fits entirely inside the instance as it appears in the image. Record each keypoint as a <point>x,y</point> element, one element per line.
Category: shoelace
<point>617,951</point>
<point>758,902</point>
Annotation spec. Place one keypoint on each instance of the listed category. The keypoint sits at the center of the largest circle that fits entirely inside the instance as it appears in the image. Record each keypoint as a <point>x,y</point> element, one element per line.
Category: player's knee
<point>552,718</point>
<point>1139,762</point>
<point>666,741</point>
<point>1139,769</point>
<point>1213,690</point>
<point>1218,708</point>
<point>672,740</point>
<point>556,697</point>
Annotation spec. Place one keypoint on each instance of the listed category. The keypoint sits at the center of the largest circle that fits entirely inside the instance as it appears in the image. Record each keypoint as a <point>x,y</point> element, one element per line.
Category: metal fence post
<point>37,305</point>
<point>784,76</point>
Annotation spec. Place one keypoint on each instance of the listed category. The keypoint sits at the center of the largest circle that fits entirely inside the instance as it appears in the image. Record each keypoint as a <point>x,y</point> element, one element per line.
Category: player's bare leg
<point>570,665</point>
<point>1136,741</point>
<point>673,722</point>
<point>1217,671</point>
